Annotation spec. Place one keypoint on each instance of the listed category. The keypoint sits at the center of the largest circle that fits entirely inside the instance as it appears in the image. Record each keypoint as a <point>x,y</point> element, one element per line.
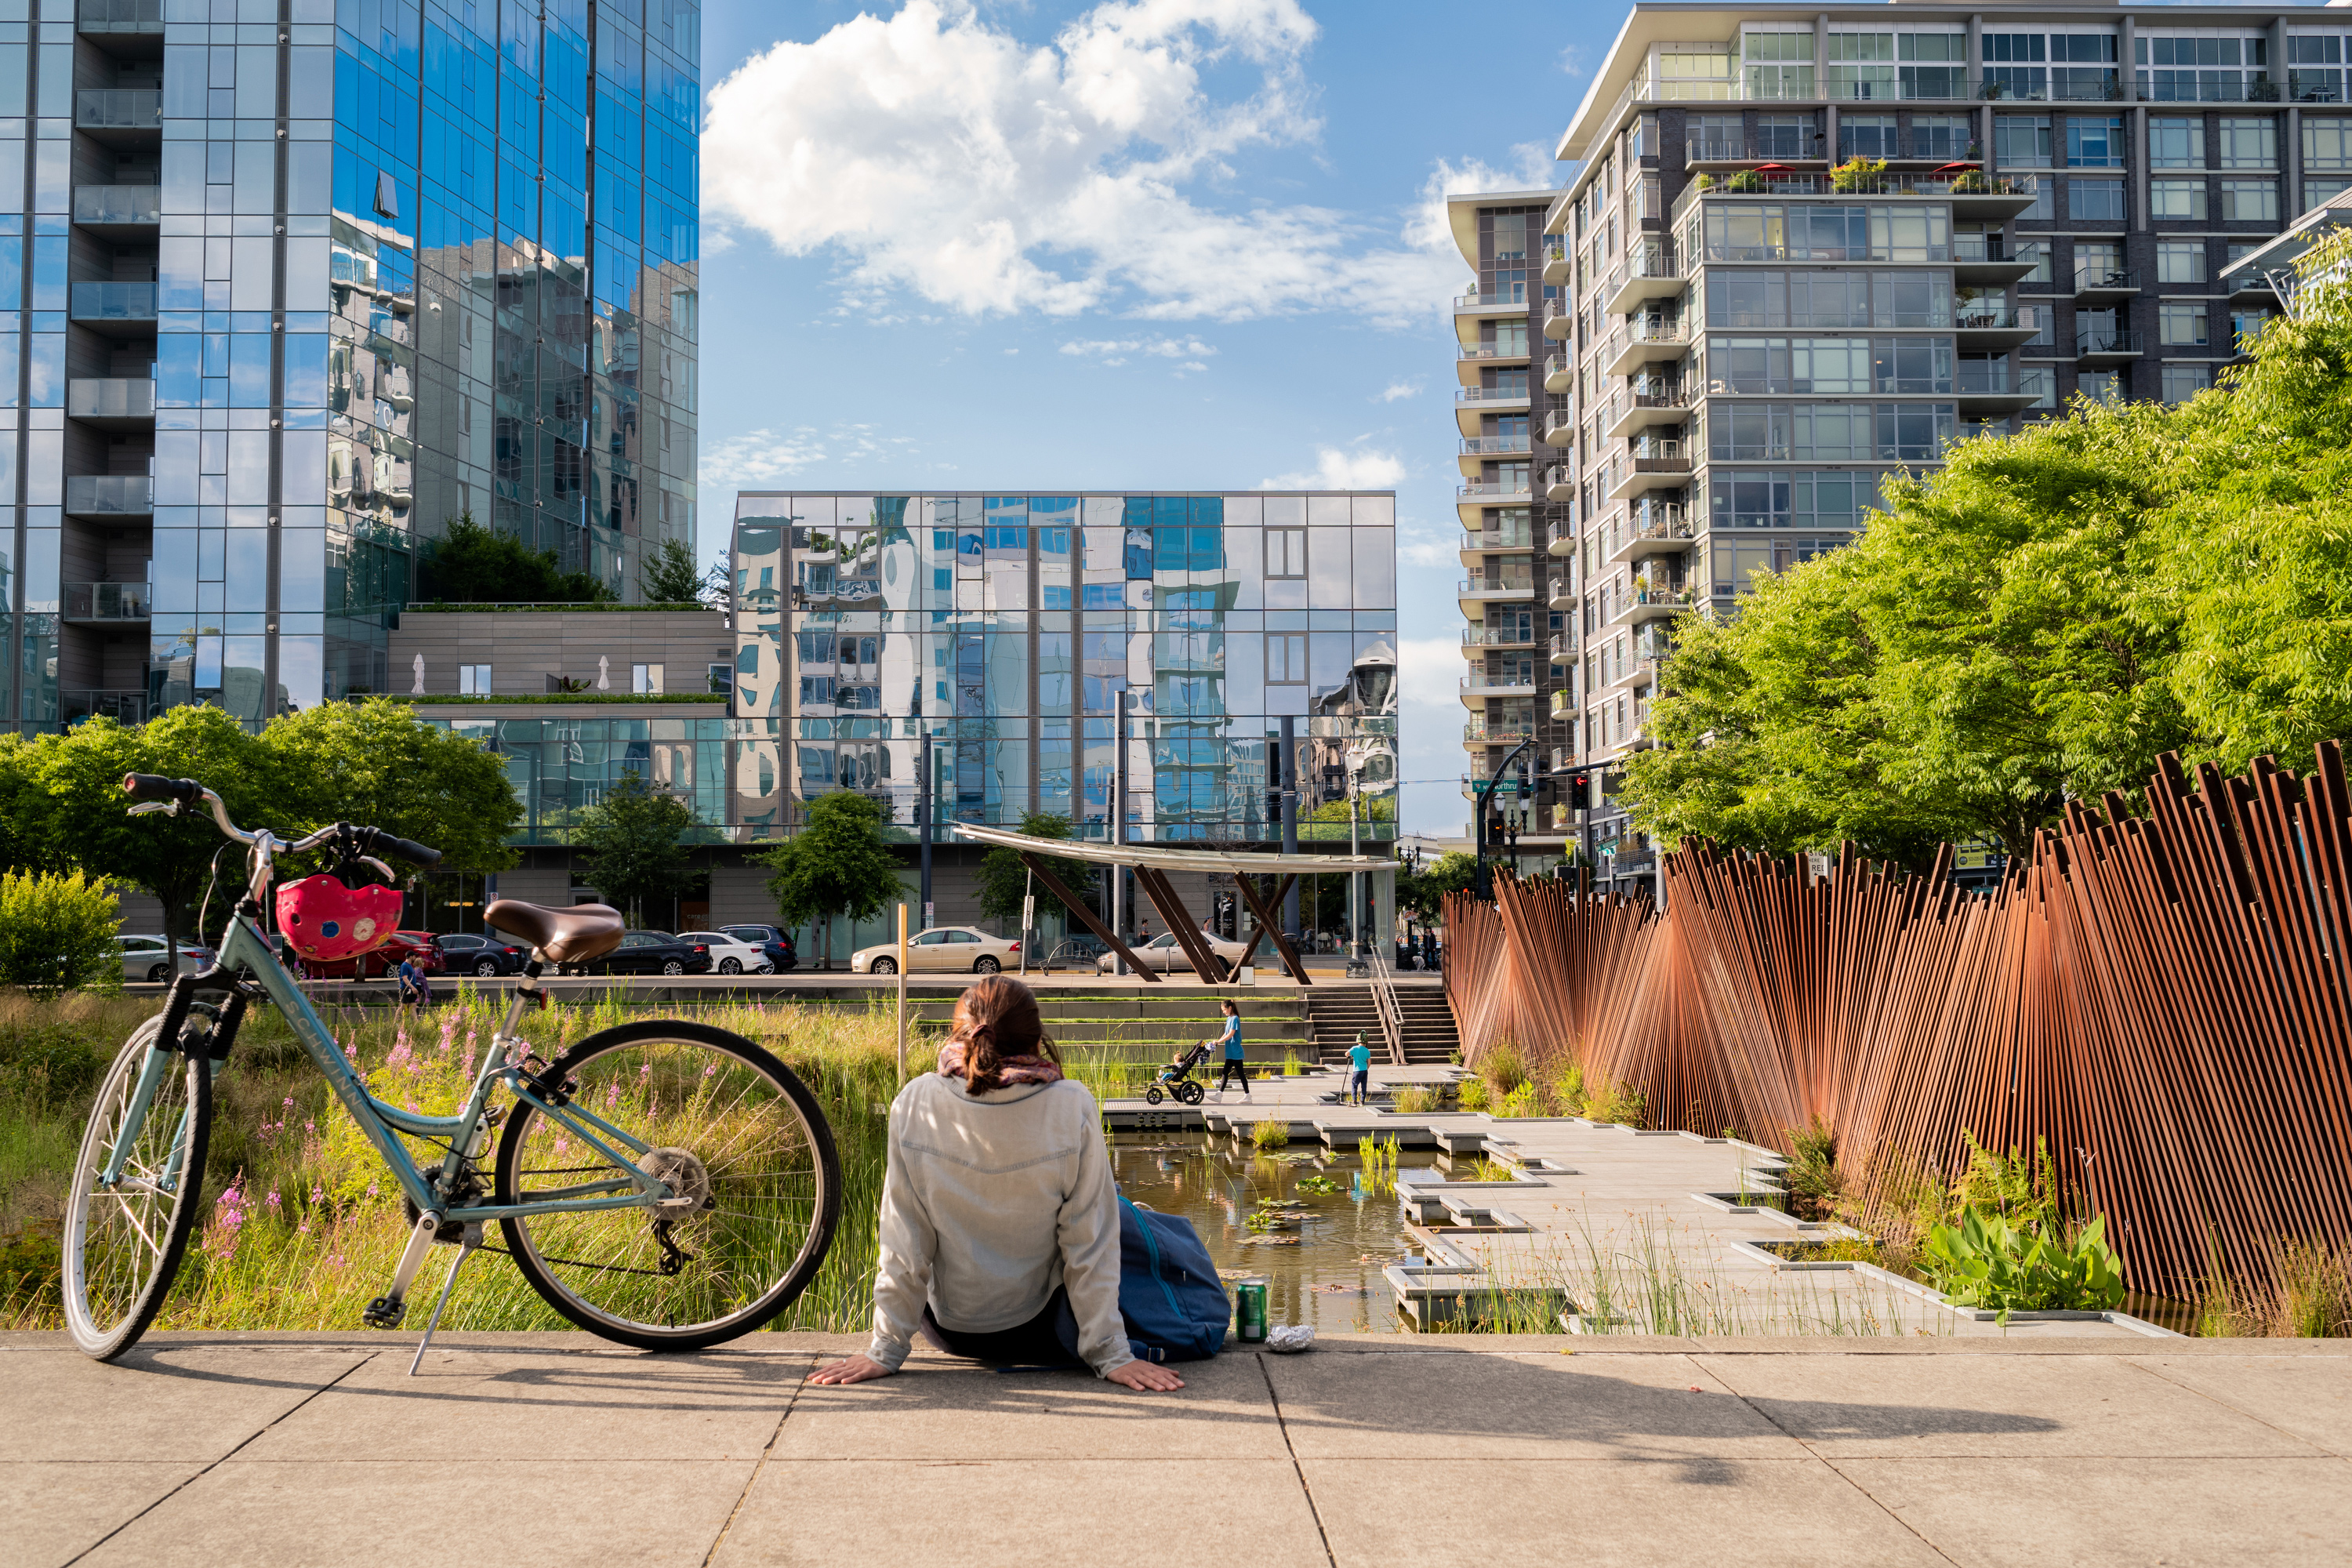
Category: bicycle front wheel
<point>125,1237</point>
<point>728,1125</point>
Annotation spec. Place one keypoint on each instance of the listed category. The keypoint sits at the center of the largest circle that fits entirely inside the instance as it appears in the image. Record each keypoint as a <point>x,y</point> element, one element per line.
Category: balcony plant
<point>1703,182</point>
<point>1857,174</point>
<point>1746,182</point>
<point>1973,182</point>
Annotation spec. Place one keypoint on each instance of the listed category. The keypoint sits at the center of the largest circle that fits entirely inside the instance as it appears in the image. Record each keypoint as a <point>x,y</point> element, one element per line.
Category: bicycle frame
<point>245,949</point>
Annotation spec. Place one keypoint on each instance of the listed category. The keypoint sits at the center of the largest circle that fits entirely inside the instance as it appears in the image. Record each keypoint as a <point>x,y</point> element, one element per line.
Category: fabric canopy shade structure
<point>1152,865</point>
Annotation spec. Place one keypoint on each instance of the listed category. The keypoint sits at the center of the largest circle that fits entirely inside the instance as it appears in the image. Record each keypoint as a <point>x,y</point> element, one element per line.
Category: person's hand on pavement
<point>857,1369</point>
<point>1145,1377</point>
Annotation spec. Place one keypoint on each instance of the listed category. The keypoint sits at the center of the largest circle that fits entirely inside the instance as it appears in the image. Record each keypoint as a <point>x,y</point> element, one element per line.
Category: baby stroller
<point>1176,1078</point>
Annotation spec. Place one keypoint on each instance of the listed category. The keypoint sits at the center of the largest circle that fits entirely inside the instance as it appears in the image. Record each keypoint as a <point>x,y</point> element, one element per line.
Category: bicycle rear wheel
<point>124,1239</point>
<point>728,1125</point>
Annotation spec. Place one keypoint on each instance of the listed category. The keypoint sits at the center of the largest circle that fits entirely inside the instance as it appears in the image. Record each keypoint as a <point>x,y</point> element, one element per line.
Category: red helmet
<point>324,919</point>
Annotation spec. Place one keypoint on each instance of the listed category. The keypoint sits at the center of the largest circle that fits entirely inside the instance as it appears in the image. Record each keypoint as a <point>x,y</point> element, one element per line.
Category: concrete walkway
<point>515,1450</point>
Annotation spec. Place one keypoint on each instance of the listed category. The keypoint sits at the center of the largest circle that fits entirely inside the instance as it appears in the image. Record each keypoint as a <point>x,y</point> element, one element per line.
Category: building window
<point>2250,144</point>
<point>2176,200</point>
<point>1286,658</point>
<point>721,678</point>
<point>2176,143</point>
<point>473,680</point>
<point>2249,201</point>
<point>2102,386</point>
<point>2094,144</point>
<point>2327,142</point>
<point>1285,553</point>
<point>2312,73</point>
<point>2095,200</point>
<point>2180,261</point>
<point>2245,326</point>
<point>645,680</point>
<point>2183,381</point>
<point>2020,140</point>
<point>2182,326</point>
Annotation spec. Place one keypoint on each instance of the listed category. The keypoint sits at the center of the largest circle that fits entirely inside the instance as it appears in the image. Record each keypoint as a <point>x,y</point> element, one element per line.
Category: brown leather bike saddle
<point>562,936</point>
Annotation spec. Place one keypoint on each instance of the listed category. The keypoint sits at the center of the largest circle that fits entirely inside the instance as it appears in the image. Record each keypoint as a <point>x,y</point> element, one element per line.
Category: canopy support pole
<point>1071,903</point>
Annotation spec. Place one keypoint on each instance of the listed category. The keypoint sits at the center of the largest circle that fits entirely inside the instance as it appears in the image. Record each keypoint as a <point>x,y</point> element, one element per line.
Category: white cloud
<point>1113,350</point>
<point>937,153</point>
<point>760,458</point>
<point>1341,470</point>
<point>1429,675</point>
<point>1417,548</point>
<point>1397,389</point>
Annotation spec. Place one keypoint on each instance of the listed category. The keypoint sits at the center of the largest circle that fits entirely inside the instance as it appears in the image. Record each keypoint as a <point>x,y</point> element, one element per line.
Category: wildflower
<point>272,1199</point>
<point>371,1189</point>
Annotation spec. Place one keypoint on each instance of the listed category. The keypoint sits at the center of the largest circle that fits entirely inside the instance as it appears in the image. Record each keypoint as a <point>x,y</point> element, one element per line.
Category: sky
<point>1139,244</point>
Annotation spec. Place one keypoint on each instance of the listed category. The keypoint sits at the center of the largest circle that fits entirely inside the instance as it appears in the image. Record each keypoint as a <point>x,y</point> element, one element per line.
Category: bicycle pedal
<point>384,1312</point>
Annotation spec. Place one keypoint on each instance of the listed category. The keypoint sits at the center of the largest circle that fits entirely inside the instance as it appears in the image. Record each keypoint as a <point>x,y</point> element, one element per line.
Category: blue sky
<point>1181,244</point>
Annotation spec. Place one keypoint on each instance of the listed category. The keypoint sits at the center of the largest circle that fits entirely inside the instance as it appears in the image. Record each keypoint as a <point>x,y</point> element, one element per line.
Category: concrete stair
<point>1430,1037</point>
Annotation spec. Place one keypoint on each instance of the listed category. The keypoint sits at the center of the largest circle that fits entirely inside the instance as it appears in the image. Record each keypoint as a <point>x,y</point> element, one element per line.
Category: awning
<point>1241,861</point>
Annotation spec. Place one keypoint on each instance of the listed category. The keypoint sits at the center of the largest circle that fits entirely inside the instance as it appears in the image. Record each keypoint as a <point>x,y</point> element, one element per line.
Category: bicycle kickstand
<point>466,1248</point>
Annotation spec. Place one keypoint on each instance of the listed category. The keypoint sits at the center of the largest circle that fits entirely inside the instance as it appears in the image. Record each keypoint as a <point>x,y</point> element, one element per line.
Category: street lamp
<point>1482,882</point>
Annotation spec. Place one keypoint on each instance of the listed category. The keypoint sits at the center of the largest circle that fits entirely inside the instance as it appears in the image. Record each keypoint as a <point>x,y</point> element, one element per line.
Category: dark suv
<point>478,955</point>
<point>776,943</point>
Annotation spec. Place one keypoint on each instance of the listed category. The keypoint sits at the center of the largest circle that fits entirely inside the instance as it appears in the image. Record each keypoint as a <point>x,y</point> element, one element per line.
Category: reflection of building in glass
<point>996,632</point>
<point>294,295</point>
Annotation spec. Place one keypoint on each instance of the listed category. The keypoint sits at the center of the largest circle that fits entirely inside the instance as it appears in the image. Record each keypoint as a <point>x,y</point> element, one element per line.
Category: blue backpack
<point>1176,1307</point>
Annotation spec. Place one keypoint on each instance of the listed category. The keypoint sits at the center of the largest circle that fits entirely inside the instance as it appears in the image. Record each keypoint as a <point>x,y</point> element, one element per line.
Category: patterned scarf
<point>1010,1071</point>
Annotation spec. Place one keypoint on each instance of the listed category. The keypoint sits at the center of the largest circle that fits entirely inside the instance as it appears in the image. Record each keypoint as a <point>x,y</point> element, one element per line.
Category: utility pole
<point>923,815</point>
<point>1117,831</point>
<point>1483,882</point>
<point>1285,771</point>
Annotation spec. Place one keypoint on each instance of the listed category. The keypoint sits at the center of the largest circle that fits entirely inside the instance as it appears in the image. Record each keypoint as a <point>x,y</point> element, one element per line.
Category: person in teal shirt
<point>1236,1066</point>
<point>1360,1066</point>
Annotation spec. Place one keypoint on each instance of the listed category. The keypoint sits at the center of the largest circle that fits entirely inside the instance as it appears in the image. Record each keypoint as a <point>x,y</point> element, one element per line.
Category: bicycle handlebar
<point>155,787</point>
<point>416,854</point>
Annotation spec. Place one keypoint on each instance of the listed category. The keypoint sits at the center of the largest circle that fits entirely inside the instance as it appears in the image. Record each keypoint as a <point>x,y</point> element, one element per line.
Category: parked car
<point>650,953</point>
<point>150,958</point>
<point>1162,953</point>
<point>378,961</point>
<point>730,955</point>
<point>469,954</point>
<point>774,942</point>
<point>958,948</point>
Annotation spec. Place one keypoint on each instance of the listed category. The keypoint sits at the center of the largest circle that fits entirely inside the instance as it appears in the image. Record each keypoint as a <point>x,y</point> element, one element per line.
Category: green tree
<point>1423,892</point>
<point>376,763</point>
<point>1005,880</point>
<point>838,864</point>
<point>634,840</point>
<point>57,933</point>
<point>472,564</point>
<point>671,576</point>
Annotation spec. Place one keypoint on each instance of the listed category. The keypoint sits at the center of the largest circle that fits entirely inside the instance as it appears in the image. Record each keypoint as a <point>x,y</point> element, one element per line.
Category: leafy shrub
<point>1857,174</point>
<point>1271,1135</point>
<point>1502,1067</point>
<point>1415,1100</point>
<point>1525,1101</point>
<point>1473,1091</point>
<point>57,933</point>
<point>1567,1090</point>
<point>1988,1262</point>
<point>1812,1178</point>
<point>1619,1102</point>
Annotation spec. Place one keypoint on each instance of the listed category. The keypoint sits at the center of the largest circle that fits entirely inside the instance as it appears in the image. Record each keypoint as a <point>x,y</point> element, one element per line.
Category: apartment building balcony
<point>1480,587</point>
<point>1563,704</point>
<point>1972,193</point>
<point>121,116</point>
<point>1933,148</point>
<point>124,214</point>
<point>1561,648</point>
<point>1982,327</point>
<point>2098,348</point>
<point>1989,259</point>
<point>1561,591</point>
<point>1485,493</point>
<point>1994,387</point>
<point>104,603</point>
<point>1560,372</point>
<point>1499,731</point>
<point>1629,414</point>
<point>1474,357</point>
<point>1558,318</point>
<point>1556,263</point>
<point>110,497</point>
<point>1477,451</point>
<point>1645,605</point>
<point>1806,147</point>
<point>118,310</point>
<point>1654,274</point>
<point>2251,289</point>
<point>1560,428</point>
<point>112,403</point>
<point>1491,399</point>
<point>1478,686</point>
<point>1655,464</point>
<point>2105,284</point>
<point>120,17</point>
<point>1475,547</point>
<point>1643,339</point>
<point>1512,301</point>
<point>1660,528</point>
<point>1559,482</point>
<point>1476,639</point>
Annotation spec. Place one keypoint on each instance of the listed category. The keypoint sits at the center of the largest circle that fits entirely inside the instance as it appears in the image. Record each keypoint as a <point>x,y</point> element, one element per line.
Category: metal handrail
<point>1385,1002</point>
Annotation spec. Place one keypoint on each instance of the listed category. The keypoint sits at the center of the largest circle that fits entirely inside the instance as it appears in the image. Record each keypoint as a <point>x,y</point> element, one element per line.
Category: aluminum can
<point>1249,1311</point>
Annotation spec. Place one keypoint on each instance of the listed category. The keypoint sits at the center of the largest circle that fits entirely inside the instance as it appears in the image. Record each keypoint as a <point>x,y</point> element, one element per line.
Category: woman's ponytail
<point>995,1018</point>
<point>980,1059</point>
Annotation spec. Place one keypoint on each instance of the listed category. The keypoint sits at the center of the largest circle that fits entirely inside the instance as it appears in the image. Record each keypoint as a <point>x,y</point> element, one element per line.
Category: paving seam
<point>1296,1468</point>
<point>1829,1463</point>
<point>2216,1399</point>
<point>752,1480</point>
<point>250,1438</point>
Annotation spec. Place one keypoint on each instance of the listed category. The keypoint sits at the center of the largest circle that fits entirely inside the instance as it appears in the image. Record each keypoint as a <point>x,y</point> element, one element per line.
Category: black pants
<point>1037,1342</point>
<point>1235,1067</point>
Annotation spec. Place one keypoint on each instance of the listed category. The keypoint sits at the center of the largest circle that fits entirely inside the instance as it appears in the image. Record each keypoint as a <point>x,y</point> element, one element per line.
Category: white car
<point>1162,953</point>
<point>150,958</point>
<point>954,948</point>
<point>730,955</point>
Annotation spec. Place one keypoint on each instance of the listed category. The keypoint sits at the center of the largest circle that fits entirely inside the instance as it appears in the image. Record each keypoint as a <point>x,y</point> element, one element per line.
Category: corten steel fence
<point>2163,998</point>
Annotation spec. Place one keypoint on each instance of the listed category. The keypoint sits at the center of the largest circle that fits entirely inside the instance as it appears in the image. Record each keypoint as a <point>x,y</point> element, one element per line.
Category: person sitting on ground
<point>1359,1068</point>
<point>1236,1065</point>
<point>999,1224</point>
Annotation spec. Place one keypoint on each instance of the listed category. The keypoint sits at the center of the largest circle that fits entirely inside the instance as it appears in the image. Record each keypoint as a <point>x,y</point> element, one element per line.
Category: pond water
<point>1322,1241</point>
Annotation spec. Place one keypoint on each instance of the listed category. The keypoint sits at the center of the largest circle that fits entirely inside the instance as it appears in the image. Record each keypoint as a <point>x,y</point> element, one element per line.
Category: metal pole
<point>1116,831</point>
<point>1286,775</point>
<point>1028,915</point>
<point>1355,878</point>
<point>902,994</point>
<point>923,816</point>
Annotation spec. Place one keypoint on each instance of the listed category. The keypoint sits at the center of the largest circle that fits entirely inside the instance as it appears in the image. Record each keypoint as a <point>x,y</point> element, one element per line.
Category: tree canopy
<point>1003,879</point>
<point>472,564</point>
<point>838,864</point>
<point>1423,892</point>
<point>670,574</point>
<point>2037,622</point>
<point>633,841</point>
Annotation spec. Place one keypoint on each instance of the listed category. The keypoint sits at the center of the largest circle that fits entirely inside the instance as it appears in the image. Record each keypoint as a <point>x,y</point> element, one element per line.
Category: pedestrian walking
<point>413,992</point>
<point>1236,1065</point>
<point>1359,1066</point>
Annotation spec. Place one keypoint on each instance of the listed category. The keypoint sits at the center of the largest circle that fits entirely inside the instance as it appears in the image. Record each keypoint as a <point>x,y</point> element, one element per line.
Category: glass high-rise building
<point>295,282</point>
<point>999,632</point>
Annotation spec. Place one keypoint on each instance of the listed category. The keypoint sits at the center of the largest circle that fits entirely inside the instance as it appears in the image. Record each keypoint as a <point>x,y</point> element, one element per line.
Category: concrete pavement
<point>524,1450</point>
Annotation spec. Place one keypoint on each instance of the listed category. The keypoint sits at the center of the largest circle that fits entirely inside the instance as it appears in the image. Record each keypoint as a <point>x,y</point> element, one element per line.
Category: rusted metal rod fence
<point>2161,998</point>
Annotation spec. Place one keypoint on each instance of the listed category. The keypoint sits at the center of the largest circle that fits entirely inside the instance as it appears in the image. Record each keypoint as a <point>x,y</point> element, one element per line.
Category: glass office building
<point>295,282</point>
<point>1000,631</point>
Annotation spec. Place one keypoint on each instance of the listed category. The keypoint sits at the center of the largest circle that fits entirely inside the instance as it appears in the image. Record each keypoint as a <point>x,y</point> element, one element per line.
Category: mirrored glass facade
<point>295,282</point>
<point>997,632</point>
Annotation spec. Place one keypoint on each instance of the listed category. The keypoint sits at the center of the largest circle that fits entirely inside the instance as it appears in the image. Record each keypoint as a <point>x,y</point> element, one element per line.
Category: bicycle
<point>663,1183</point>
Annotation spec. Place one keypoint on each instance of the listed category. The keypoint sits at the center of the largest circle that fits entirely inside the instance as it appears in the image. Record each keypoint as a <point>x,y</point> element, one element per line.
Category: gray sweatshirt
<point>989,1202</point>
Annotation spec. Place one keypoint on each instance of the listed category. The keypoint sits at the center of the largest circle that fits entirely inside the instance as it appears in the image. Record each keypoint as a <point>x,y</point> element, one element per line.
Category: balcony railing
<point>106,397</point>
<point>1494,351</point>
<point>119,15</point>
<point>105,600</point>
<point>1506,635</point>
<point>118,204</point>
<point>1657,457</point>
<point>1506,583</point>
<point>2106,279</point>
<point>1910,149</point>
<point>2091,344</point>
<point>1764,152</point>
<point>1507,680</point>
<point>1491,490</point>
<point>1495,446</point>
<point>118,108</point>
<point>1561,587</point>
<point>114,301</point>
<point>1491,395</point>
<point>1560,428</point>
<point>1515,295</point>
<point>1653,329</point>
<point>1512,539</point>
<point>1562,648</point>
<point>1508,731</point>
<point>1659,520</point>
<point>1972,182</point>
<point>110,495</point>
<point>1995,319</point>
<point>1990,247</point>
